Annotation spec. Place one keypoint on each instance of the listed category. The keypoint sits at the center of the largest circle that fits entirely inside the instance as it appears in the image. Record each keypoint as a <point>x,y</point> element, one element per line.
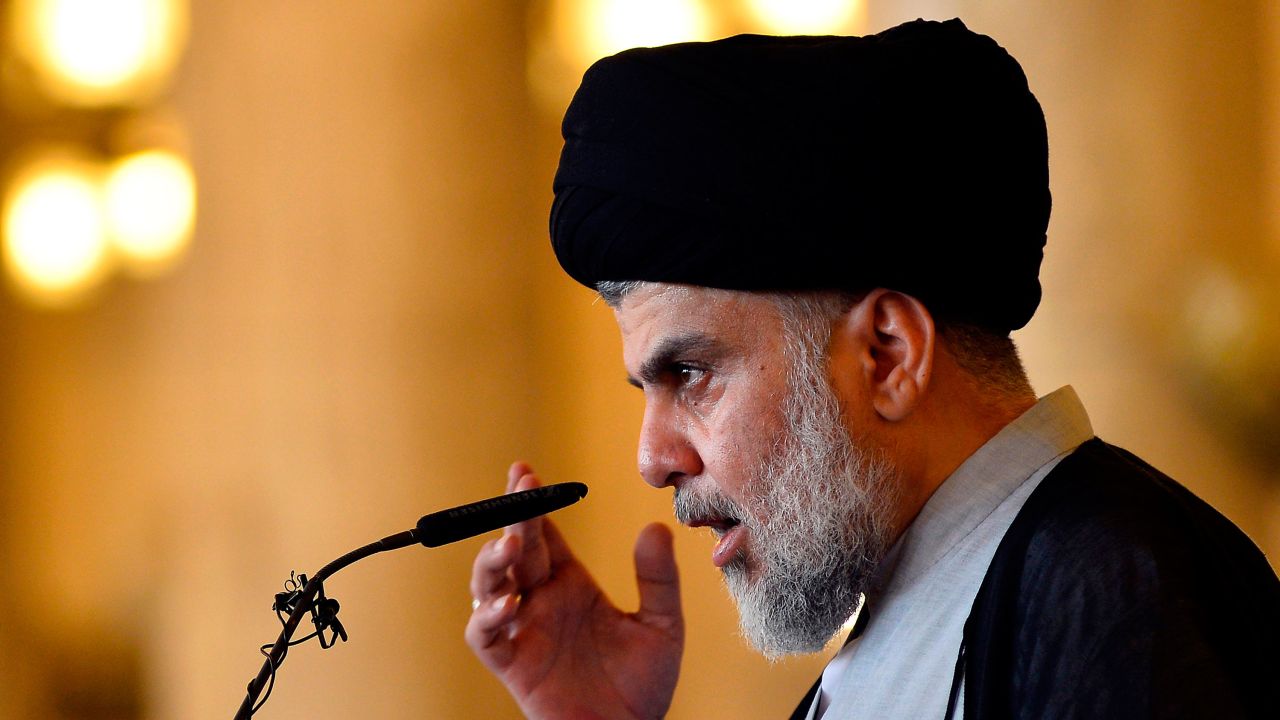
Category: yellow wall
<point>370,326</point>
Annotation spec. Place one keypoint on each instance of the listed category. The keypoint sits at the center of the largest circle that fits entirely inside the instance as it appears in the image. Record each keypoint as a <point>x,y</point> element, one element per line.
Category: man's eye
<point>687,374</point>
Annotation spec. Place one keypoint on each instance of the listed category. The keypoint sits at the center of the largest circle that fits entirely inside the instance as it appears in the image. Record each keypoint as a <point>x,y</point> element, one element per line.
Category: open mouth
<point>718,525</point>
<point>731,535</point>
<point>718,514</point>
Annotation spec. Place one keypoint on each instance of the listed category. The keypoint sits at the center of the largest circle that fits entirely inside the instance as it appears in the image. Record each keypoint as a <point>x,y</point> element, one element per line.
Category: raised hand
<point>543,626</point>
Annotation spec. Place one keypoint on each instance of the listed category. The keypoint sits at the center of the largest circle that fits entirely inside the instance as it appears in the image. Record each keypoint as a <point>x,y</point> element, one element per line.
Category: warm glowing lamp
<point>805,17</point>
<point>609,26</point>
<point>150,201</point>
<point>55,246</point>
<point>579,32</point>
<point>94,52</point>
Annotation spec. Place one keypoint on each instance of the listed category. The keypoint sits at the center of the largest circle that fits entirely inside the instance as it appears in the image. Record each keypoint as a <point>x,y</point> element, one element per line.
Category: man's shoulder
<point>1104,509</point>
<point>1117,592</point>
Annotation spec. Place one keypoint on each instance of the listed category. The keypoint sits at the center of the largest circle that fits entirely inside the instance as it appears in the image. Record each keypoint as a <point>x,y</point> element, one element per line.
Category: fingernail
<point>501,547</point>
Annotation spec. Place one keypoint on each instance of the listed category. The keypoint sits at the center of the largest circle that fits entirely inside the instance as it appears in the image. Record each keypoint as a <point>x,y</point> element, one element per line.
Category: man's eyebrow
<point>671,351</point>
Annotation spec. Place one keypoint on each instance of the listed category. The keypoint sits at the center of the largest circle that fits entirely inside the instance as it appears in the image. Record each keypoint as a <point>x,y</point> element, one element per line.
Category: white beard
<point>818,521</point>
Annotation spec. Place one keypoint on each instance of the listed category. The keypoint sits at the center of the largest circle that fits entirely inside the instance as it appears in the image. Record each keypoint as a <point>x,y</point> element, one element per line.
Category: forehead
<point>655,312</point>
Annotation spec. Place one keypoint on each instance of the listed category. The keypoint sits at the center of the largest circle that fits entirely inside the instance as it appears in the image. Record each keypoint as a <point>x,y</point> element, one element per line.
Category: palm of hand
<point>575,653</point>
<point>563,649</point>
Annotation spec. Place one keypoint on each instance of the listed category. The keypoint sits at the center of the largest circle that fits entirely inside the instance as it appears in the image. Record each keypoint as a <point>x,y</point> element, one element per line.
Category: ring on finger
<point>475,604</point>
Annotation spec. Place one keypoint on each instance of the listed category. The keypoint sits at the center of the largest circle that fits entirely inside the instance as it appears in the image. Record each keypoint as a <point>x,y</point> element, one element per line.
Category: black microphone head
<point>464,521</point>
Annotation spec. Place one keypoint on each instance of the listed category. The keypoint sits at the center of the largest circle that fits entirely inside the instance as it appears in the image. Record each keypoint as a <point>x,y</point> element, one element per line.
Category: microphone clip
<point>323,610</point>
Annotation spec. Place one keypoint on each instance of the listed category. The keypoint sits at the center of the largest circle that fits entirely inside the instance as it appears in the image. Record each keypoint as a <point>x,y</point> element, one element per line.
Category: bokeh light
<point>1219,319</point>
<point>55,245</point>
<point>805,17</point>
<point>611,26</point>
<point>1224,323</point>
<point>575,33</point>
<point>90,52</point>
<point>150,203</point>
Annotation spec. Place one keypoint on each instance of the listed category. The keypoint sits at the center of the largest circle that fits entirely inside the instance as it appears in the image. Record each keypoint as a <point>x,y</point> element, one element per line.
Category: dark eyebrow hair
<point>670,350</point>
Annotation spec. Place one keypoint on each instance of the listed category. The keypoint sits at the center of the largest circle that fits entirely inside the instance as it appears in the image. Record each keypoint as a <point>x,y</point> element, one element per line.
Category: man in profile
<point>815,249</point>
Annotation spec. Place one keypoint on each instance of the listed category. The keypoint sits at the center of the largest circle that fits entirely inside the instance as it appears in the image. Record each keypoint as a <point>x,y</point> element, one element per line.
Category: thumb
<point>657,578</point>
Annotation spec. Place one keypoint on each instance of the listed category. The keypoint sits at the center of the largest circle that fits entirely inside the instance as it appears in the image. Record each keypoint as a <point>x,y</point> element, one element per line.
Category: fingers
<point>657,578</point>
<point>517,470</point>
<point>486,631</point>
<point>519,560</point>
<point>489,575</point>
<point>503,569</point>
<point>496,601</point>
<point>533,565</point>
<point>507,569</point>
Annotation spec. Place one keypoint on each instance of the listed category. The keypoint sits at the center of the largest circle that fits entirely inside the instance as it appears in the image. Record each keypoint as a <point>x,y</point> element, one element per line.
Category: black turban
<point>914,159</point>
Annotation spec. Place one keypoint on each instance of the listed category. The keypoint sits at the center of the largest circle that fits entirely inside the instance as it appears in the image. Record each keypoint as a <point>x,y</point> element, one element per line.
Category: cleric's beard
<point>818,524</point>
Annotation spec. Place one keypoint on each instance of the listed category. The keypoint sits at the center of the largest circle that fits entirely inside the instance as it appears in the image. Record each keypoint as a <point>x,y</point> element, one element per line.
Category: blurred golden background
<point>363,321</point>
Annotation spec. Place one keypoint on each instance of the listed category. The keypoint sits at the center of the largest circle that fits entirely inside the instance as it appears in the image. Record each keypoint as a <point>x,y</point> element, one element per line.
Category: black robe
<point>1116,593</point>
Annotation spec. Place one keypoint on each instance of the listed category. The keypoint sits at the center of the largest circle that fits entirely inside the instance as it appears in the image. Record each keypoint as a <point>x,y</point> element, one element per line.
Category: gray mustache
<point>689,505</point>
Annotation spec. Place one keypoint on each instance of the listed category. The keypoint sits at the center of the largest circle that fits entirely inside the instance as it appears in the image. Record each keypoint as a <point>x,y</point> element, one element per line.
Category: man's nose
<point>665,454</point>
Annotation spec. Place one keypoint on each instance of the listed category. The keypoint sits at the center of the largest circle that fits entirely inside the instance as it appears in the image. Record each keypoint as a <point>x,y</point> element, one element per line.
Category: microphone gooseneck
<point>433,530</point>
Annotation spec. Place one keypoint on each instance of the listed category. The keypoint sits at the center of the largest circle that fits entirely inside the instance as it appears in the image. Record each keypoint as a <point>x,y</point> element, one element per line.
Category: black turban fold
<point>914,159</point>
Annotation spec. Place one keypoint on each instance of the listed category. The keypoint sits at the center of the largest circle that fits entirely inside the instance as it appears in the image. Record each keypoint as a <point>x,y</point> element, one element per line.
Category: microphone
<point>434,530</point>
<point>464,521</point>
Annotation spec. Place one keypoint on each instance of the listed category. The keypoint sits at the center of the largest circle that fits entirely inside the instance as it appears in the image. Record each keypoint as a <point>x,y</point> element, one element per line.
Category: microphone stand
<point>434,530</point>
<point>304,604</point>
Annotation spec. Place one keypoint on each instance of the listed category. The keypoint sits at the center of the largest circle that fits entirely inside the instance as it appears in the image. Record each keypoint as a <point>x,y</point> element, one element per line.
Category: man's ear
<point>893,337</point>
